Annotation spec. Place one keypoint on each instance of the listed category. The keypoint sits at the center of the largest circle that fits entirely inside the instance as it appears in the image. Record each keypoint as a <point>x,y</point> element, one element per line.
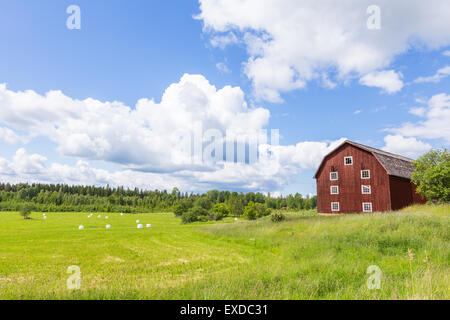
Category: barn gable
<point>395,165</point>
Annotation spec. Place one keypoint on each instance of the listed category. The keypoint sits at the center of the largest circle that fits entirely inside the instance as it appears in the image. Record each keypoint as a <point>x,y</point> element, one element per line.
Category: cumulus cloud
<point>152,143</point>
<point>290,42</point>
<point>222,41</point>
<point>408,147</point>
<point>266,175</point>
<point>440,74</point>
<point>36,168</point>
<point>434,123</point>
<point>10,137</point>
<point>390,81</point>
<point>140,137</point>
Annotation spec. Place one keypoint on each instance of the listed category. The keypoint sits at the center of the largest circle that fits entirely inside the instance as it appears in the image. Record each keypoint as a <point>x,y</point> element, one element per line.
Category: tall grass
<point>305,257</point>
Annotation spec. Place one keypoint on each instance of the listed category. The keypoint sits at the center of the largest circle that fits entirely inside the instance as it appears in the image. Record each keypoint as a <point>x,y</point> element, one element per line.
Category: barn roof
<point>394,164</point>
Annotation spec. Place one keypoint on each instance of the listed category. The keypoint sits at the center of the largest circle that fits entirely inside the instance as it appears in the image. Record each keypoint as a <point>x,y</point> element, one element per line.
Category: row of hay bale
<point>108,226</point>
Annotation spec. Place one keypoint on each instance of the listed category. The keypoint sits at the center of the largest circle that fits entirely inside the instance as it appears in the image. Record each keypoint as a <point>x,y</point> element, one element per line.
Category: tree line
<point>67,198</point>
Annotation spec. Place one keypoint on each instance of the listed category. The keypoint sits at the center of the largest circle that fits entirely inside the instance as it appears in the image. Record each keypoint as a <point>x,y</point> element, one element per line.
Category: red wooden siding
<point>401,193</point>
<point>417,198</point>
<point>350,196</point>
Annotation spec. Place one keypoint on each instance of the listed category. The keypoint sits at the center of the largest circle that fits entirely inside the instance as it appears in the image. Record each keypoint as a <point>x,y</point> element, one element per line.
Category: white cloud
<point>357,112</point>
<point>24,163</point>
<point>10,136</point>
<point>261,176</point>
<point>440,74</point>
<point>222,67</point>
<point>146,143</point>
<point>419,111</point>
<point>390,81</point>
<point>408,147</point>
<point>35,168</point>
<point>290,42</point>
<point>224,40</point>
<point>446,53</point>
<point>139,137</point>
<point>435,120</point>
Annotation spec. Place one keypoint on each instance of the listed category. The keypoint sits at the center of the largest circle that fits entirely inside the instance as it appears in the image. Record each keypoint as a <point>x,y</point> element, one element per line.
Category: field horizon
<point>305,257</point>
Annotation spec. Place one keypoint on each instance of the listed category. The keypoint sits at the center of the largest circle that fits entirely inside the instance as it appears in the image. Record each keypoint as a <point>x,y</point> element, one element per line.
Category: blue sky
<point>126,51</point>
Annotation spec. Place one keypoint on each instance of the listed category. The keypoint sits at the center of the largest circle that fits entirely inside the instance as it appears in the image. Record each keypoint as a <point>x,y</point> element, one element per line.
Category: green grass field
<point>305,257</point>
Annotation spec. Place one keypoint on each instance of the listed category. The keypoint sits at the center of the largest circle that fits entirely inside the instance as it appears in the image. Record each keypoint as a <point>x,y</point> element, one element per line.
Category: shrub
<point>262,210</point>
<point>219,211</point>
<point>179,209</point>
<point>256,210</point>
<point>250,211</point>
<point>25,211</point>
<point>194,214</point>
<point>277,217</point>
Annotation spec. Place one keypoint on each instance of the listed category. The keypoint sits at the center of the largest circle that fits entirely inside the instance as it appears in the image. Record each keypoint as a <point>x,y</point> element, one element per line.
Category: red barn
<point>357,178</point>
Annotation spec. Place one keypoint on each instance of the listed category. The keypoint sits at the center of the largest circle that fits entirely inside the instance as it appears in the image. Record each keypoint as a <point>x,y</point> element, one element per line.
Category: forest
<point>66,198</point>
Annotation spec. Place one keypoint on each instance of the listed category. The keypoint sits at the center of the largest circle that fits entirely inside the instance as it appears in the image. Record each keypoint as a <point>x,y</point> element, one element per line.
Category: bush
<point>262,210</point>
<point>219,211</point>
<point>25,211</point>
<point>277,217</point>
<point>250,211</point>
<point>256,210</point>
<point>179,209</point>
<point>194,214</point>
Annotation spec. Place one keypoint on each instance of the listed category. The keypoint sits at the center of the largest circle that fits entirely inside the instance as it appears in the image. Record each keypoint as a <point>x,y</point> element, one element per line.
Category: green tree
<point>179,209</point>
<point>256,210</point>
<point>250,212</point>
<point>432,175</point>
<point>220,210</point>
<point>237,204</point>
<point>25,211</point>
<point>196,213</point>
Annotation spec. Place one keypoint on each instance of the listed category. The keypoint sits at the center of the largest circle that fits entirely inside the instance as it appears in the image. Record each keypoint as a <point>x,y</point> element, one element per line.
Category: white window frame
<point>351,161</point>
<point>369,203</point>
<point>337,176</point>
<point>362,189</point>
<point>338,207</point>
<point>331,189</point>
<point>362,177</point>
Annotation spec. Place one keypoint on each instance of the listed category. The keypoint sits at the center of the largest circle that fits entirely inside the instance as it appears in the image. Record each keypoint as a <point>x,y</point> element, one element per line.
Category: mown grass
<point>305,257</point>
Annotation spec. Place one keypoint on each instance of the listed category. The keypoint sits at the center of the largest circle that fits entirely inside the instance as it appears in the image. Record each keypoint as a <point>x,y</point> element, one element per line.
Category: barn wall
<point>401,192</point>
<point>350,196</point>
<point>417,198</point>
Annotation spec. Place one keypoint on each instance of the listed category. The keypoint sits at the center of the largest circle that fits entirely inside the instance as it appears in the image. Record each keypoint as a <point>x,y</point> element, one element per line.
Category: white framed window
<point>333,176</point>
<point>366,189</point>
<point>367,206</point>
<point>335,206</point>
<point>348,161</point>
<point>334,190</point>
<point>365,174</point>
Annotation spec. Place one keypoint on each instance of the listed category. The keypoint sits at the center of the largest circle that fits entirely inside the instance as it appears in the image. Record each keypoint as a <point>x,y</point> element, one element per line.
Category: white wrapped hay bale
<point>108,226</point>
<point>140,226</point>
<point>81,228</point>
<point>149,225</point>
<point>106,217</point>
<point>137,221</point>
<point>99,216</point>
